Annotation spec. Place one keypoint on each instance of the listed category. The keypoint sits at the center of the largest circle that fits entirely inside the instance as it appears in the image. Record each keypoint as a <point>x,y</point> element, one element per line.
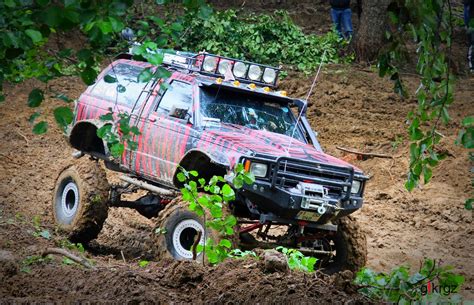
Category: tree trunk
<point>372,26</point>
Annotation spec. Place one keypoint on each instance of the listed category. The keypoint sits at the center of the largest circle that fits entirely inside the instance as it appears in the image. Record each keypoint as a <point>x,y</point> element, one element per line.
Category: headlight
<point>255,72</point>
<point>240,69</point>
<point>209,64</point>
<point>269,76</point>
<point>258,169</point>
<point>355,186</point>
<point>223,66</point>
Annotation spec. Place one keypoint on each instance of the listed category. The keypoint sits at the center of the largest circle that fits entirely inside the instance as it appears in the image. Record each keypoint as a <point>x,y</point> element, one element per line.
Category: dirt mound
<point>234,281</point>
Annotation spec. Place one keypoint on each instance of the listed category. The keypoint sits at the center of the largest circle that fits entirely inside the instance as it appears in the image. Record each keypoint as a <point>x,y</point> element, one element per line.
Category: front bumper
<point>286,207</point>
<point>281,196</point>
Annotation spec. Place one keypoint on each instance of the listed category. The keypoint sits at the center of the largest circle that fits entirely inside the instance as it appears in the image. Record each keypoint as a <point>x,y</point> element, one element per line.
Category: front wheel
<point>80,200</point>
<point>351,247</point>
<point>177,231</point>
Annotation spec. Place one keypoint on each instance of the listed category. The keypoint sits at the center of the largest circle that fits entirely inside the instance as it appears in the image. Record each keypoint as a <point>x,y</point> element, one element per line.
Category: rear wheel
<point>80,200</point>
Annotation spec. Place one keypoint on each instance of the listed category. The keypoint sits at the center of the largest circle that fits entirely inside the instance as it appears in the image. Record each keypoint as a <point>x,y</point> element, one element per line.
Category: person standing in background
<point>341,16</point>
<point>469,22</point>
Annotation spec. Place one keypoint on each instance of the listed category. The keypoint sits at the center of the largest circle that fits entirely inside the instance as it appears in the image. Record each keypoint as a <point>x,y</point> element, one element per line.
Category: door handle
<point>152,119</point>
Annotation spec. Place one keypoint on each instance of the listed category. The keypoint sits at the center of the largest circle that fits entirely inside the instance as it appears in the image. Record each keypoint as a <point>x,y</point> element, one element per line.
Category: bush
<point>268,39</point>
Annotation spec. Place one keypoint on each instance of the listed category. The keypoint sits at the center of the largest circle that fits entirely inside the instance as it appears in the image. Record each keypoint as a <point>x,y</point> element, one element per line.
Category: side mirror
<point>128,34</point>
<point>179,113</point>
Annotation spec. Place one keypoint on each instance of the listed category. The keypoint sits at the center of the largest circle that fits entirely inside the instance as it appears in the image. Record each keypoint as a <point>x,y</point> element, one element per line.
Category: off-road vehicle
<point>213,113</point>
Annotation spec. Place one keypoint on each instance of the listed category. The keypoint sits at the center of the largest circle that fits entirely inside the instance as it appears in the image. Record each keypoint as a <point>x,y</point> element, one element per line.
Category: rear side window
<point>179,94</point>
<point>126,90</point>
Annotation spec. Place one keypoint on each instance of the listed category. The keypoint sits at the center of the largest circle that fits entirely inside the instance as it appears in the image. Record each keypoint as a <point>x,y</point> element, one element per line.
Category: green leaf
<point>116,24</point>
<point>40,128</point>
<point>225,243</point>
<point>64,98</point>
<point>228,192</point>
<point>121,88</point>
<point>468,204</point>
<point>45,234</point>
<point>468,121</point>
<point>63,116</point>
<point>35,35</point>
<point>35,98</point>
<point>105,26</point>
<point>143,263</point>
<point>205,11</point>
<point>104,130</point>
<point>33,117</point>
<point>427,174</point>
<point>53,16</point>
<point>117,149</point>
<point>145,76</point>
<point>67,261</point>
<point>110,79</point>
<point>88,75</point>
<point>181,177</point>
<point>107,117</point>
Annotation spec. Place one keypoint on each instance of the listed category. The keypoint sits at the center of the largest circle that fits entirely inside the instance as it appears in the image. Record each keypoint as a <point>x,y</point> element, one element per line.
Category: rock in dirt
<point>8,265</point>
<point>275,261</point>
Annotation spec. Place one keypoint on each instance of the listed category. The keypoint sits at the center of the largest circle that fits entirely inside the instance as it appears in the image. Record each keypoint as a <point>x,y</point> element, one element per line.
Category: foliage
<point>237,253</point>
<point>117,132</point>
<point>39,231</point>
<point>430,26</point>
<point>143,263</point>
<point>218,194</point>
<point>269,39</point>
<point>34,260</point>
<point>433,283</point>
<point>297,260</point>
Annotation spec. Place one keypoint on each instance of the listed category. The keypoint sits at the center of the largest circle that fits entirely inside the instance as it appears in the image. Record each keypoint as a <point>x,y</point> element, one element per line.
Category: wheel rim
<point>183,237</point>
<point>70,199</point>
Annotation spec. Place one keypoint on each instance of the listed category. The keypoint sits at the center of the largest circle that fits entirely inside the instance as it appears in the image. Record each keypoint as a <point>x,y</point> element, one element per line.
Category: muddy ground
<point>350,107</point>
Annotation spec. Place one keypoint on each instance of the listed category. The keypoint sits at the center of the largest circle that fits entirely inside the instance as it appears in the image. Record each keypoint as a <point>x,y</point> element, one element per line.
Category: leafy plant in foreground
<point>433,283</point>
<point>297,260</point>
<point>212,203</point>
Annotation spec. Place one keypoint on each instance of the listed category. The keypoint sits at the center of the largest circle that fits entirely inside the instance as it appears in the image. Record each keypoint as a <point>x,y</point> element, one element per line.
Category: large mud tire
<point>80,200</point>
<point>176,230</point>
<point>351,247</point>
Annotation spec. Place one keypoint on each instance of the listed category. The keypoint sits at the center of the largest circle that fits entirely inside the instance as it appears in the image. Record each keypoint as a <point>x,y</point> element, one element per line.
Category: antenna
<point>302,109</point>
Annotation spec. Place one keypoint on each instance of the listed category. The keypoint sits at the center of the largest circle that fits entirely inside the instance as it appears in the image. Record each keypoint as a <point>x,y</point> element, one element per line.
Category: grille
<point>287,173</point>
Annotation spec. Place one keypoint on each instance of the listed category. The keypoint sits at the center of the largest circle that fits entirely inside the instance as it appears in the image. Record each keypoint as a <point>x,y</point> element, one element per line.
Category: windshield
<point>239,108</point>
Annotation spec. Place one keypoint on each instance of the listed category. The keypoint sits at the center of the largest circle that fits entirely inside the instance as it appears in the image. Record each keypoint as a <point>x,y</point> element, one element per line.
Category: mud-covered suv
<point>211,114</point>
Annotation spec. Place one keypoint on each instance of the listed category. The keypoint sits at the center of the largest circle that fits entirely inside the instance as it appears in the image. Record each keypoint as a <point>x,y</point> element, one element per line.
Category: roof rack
<point>219,66</point>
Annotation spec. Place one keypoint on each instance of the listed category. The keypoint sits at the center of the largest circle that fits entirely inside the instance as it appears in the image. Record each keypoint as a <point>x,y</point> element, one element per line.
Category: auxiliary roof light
<point>269,76</point>
<point>252,86</point>
<point>266,89</point>
<point>224,65</point>
<point>219,80</point>
<point>236,83</point>
<point>255,72</point>
<point>283,93</point>
<point>240,69</point>
<point>209,64</point>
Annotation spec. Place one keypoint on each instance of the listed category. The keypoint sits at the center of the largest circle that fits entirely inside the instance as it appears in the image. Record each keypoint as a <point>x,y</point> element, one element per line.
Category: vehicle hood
<point>250,142</point>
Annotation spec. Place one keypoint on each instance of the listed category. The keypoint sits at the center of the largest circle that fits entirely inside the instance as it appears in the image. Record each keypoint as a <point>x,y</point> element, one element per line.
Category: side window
<point>179,94</point>
<point>126,90</point>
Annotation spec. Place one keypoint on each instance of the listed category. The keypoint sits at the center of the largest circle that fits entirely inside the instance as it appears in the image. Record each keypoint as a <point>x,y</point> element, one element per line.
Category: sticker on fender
<point>308,216</point>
